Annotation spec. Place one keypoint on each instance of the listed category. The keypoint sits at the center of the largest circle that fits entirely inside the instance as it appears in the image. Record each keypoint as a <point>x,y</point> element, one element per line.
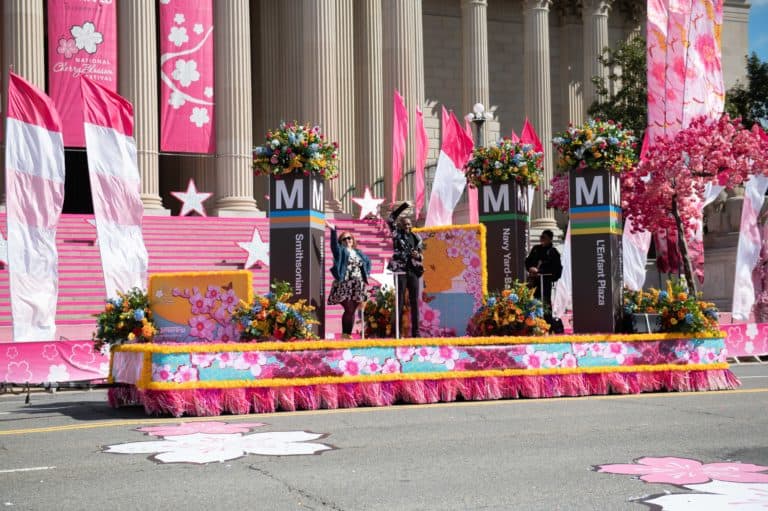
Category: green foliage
<point>750,101</point>
<point>627,104</point>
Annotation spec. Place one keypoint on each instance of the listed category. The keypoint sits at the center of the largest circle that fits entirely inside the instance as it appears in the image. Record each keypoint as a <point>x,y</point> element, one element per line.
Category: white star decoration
<point>368,205</point>
<point>192,200</point>
<point>257,249</point>
<point>3,249</point>
<point>386,278</point>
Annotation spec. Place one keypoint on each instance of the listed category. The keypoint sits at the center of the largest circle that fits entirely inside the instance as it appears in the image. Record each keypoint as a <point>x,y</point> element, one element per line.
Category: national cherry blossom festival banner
<point>186,74</point>
<point>82,41</point>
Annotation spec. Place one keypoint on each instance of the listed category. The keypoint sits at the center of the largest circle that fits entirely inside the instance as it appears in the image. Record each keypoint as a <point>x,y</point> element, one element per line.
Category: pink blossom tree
<point>666,189</point>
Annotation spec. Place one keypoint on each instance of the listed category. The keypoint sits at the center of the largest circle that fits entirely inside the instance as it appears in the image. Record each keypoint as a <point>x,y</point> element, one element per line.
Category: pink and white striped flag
<point>34,167</point>
<point>399,140</point>
<point>422,148</point>
<point>449,178</point>
<point>115,187</point>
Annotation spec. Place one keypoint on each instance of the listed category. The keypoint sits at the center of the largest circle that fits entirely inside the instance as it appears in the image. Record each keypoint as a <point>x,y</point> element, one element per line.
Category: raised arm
<point>335,250</point>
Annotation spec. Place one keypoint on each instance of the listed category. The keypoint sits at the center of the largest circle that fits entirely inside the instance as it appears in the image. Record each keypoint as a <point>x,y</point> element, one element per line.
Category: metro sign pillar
<point>596,251</point>
<point>296,239</point>
<point>504,211</point>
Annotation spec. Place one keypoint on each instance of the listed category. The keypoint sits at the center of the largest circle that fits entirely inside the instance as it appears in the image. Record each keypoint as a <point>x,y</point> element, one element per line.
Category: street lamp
<point>478,116</point>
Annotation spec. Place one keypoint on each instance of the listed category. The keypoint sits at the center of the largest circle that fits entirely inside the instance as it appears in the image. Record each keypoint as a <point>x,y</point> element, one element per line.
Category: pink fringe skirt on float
<point>212,402</point>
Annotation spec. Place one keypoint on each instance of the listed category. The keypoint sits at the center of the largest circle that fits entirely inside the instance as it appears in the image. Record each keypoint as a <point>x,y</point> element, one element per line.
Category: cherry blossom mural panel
<point>186,76</point>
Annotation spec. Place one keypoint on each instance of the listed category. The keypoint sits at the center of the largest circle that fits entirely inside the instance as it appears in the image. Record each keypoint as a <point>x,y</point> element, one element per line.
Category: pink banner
<point>422,148</point>
<point>746,339</point>
<point>399,140</point>
<point>82,40</point>
<point>186,74</point>
<point>46,362</point>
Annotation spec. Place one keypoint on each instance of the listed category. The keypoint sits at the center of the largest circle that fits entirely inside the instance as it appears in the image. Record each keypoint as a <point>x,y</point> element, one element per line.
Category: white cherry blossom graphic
<point>186,72</point>
<point>199,117</point>
<point>176,100</point>
<point>58,372</point>
<point>179,18</point>
<point>198,28</point>
<point>208,92</point>
<point>86,37</point>
<point>178,36</point>
<point>202,448</point>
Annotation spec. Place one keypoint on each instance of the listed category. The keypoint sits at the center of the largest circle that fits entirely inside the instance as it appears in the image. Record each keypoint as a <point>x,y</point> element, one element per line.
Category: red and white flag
<point>115,187</point>
<point>449,177</point>
<point>422,148</point>
<point>399,140</point>
<point>34,170</point>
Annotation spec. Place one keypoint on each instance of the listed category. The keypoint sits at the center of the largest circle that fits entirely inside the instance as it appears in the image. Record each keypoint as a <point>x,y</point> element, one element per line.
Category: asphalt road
<point>528,454</point>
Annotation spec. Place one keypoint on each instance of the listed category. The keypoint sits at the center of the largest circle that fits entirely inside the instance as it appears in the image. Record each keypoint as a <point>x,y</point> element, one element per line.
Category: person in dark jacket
<point>544,261</point>
<point>407,248</point>
<point>350,272</point>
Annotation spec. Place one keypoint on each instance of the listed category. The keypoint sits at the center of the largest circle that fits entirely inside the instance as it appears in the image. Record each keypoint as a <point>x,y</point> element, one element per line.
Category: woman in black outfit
<point>407,257</point>
<point>350,273</point>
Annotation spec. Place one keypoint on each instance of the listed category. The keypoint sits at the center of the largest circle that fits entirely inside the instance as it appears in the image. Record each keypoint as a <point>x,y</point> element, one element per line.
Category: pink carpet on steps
<point>212,402</point>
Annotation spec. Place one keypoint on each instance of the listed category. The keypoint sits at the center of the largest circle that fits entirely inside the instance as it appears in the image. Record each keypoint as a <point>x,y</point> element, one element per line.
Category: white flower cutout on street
<point>86,37</point>
<point>256,248</point>
<point>193,445</point>
<point>192,200</point>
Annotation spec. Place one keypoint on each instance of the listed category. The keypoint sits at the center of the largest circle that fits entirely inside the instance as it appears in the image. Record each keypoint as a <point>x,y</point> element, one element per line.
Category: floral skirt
<point>349,289</point>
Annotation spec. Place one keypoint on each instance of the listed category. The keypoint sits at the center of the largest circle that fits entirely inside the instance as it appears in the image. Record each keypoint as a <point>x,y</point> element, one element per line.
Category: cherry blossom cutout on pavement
<point>209,442</point>
<point>368,204</point>
<point>714,486</point>
<point>256,248</point>
<point>192,200</point>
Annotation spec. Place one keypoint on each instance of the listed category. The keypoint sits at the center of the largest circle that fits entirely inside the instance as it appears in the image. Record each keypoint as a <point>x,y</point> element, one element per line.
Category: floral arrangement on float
<point>678,309</point>
<point>296,149</point>
<point>557,196</point>
<point>125,319</point>
<point>274,317</point>
<point>596,145</point>
<point>506,161</point>
<point>378,312</point>
<point>512,312</point>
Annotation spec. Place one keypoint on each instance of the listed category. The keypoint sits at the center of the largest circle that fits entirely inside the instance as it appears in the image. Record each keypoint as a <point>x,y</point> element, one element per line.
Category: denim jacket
<point>341,258</point>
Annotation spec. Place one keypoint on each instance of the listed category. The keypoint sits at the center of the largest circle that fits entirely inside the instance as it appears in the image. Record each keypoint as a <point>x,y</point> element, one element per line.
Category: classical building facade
<point>336,63</point>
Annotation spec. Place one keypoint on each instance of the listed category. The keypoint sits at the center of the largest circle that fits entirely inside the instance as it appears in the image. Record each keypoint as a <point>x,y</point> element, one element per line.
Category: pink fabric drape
<point>422,148</point>
<point>399,140</point>
<point>472,204</point>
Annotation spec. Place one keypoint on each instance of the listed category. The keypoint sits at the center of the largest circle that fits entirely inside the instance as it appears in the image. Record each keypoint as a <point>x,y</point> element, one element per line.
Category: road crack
<point>299,491</point>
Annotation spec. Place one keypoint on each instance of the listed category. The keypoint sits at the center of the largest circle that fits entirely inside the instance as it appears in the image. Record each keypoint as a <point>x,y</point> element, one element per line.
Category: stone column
<point>369,98</point>
<point>571,68</point>
<point>403,59</point>
<point>137,77</point>
<point>234,128</point>
<point>345,80</point>
<point>595,15</point>
<point>538,97</point>
<point>23,48</point>
<point>474,52</point>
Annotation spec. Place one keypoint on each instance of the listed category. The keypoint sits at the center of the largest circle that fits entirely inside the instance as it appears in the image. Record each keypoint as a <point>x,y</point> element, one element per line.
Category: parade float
<point>203,344</point>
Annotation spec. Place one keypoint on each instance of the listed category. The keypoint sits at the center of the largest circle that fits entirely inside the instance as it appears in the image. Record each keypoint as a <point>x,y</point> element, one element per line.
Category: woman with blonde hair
<point>350,272</point>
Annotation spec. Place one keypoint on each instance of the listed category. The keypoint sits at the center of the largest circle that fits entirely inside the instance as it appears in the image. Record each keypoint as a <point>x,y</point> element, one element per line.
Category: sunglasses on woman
<point>345,239</point>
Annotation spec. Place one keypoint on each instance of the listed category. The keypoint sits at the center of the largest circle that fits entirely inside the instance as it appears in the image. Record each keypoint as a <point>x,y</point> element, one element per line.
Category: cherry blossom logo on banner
<point>369,206</point>
<point>730,485</point>
<point>192,200</point>
<point>209,442</point>
<point>187,74</point>
<point>3,249</point>
<point>257,249</point>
